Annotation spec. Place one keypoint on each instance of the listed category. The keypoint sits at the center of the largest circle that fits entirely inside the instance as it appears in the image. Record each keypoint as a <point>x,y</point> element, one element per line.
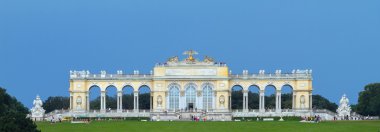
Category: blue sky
<point>41,40</point>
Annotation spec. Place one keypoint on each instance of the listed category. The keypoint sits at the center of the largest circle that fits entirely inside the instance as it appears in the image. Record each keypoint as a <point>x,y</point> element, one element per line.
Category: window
<point>174,97</point>
<point>207,96</point>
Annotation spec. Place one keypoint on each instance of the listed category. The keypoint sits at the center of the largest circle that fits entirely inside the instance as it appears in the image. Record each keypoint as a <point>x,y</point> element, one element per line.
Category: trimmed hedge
<point>286,118</point>
<point>115,118</point>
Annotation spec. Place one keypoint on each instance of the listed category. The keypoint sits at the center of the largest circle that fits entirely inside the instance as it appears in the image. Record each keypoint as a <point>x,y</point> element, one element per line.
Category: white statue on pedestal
<point>344,109</point>
<point>37,110</point>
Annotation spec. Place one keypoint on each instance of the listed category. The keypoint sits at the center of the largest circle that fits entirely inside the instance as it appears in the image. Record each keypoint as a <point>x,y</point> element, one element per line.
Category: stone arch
<point>146,84</point>
<point>127,86</point>
<point>235,83</point>
<point>145,99</point>
<point>270,96</point>
<point>93,86</point>
<point>174,84</point>
<point>94,97</point>
<point>253,96</point>
<point>237,97</point>
<point>270,85</point>
<point>127,97</point>
<point>190,83</point>
<point>287,96</point>
<point>207,83</point>
<point>111,96</point>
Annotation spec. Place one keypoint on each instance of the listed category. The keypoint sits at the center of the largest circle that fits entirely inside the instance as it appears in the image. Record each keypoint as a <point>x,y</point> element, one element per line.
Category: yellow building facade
<point>189,84</point>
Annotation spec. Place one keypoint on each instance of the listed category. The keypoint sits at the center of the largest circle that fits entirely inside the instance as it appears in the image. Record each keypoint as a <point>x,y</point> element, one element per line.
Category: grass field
<point>287,126</point>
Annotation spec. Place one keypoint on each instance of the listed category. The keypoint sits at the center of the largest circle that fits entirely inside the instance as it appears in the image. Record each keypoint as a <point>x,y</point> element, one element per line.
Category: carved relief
<point>79,102</point>
<point>221,100</point>
<point>302,101</point>
<point>159,101</point>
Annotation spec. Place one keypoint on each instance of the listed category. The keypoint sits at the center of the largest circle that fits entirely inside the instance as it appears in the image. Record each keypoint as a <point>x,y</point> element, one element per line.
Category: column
<point>150,103</point>
<point>245,100</point>
<point>229,101</point>
<point>71,102</point>
<point>294,100</point>
<point>135,101</point>
<point>214,100</point>
<point>261,101</point>
<point>167,100</point>
<point>278,101</point>
<point>88,102</point>
<point>119,101</point>
<point>310,101</point>
<point>103,101</point>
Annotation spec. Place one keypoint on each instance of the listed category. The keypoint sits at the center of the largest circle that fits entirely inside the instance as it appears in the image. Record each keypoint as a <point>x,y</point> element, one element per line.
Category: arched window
<point>207,96</point>
<point>174,97</point>
<point>190,96</point>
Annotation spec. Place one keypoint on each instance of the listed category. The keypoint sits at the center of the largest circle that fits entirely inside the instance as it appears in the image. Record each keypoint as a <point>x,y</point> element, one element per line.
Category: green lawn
<point>287,126</point>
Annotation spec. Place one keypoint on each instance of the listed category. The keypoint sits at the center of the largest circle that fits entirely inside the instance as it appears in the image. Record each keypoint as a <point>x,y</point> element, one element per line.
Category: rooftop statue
<point>190,60</point>
<point>173,59</point>
<point>190,53</point>
<point>208,59</point>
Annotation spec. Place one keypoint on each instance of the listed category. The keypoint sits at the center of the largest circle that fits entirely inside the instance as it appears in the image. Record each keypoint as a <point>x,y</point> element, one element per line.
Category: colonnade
<point>119,103</point>
<point>278,101</point>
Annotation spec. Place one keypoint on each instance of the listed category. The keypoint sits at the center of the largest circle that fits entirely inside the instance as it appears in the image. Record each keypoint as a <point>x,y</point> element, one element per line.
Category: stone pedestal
<point>344,109</point>
<point>37,112</point>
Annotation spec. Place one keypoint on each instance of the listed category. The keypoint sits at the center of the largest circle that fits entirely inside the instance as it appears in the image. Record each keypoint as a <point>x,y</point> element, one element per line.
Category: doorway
<point>190,106</point>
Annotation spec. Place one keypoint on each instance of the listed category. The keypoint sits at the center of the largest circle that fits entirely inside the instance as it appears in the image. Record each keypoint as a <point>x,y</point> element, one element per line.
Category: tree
<point>111,102</point>
<point>95,104</point>
<point>237,99</point>
<point>13,115</point>
<point>369,100</point>
<point>286,101</point>
<point>253,100</point>
<point>127,101</point>
<point>144,101</point>
<point>56,103</point>
<point>270,101</point>
<point>320,102</point>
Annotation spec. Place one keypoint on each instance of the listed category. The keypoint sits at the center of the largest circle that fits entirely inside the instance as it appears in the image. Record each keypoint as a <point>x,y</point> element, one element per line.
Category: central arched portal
<point>190,95</point>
